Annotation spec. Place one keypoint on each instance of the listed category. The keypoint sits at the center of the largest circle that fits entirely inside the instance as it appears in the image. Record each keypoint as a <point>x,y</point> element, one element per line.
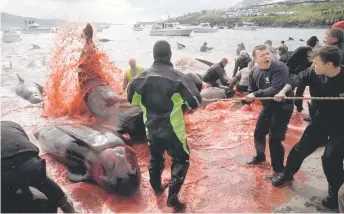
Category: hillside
<point>312,16</point>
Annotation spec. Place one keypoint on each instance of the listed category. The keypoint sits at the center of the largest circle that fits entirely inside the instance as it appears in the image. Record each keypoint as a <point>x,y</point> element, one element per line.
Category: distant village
<point>256,10</point>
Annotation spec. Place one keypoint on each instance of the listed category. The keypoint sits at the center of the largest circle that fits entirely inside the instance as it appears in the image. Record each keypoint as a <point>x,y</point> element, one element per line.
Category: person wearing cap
<point>283,53</point>
<point>241,46</point>
<point>217,72</point>
<point>241,62</point>
<point>339,25</point>
<point>205,48</point>
<point>24,177</point>
<point>297,62</point>
<point>131,73</point>
<point>161,91</point>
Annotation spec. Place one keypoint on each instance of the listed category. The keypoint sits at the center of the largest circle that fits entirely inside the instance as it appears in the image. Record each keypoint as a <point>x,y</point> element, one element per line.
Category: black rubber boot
<point>155,179</point>
<point>282,179</point>
<point>331,201</point>
<point>258,159</point>
<point>179,172</point>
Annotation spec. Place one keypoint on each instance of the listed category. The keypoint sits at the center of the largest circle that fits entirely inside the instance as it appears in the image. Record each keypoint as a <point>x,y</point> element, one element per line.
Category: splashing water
<point>63,95</point>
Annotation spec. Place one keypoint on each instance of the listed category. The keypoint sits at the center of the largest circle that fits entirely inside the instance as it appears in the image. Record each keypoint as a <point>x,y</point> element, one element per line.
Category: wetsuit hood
<point>162,53</point>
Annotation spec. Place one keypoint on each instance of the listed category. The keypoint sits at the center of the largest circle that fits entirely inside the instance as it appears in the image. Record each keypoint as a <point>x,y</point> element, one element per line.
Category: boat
<point>205,28</point>
<point>99,29</point>
<point>169,29</point>
<point>137,27</point>
<point>30,27</point>
<point>245,26</point>
<point>106,26</point>
<point>11,36</point>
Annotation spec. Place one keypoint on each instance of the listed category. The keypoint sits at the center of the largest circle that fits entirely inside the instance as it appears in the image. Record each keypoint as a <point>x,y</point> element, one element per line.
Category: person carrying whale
<point>217,72</point>
<point>21,168</point>
<point>161,91</point>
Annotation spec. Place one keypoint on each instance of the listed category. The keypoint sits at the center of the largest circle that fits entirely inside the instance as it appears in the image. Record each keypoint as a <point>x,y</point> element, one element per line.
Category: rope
<point>272,98</point>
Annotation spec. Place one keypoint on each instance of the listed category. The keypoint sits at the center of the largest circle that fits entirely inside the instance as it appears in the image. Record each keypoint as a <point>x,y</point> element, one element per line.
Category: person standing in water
<point>205,48</point>
<point>266,80</point>
<point>272,50</point>
<point>161,91</point>
<point>217,72</point>
<point>131,73</point>
<point>242,77</point>
<point>327,125</point>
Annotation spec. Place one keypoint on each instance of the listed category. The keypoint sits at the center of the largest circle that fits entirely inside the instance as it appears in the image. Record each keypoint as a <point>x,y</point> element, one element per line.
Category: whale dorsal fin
<point>40,88</point>
<point>20,79</point>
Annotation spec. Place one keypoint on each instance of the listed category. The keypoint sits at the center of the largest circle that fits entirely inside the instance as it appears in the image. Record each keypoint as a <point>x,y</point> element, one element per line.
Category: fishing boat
<point>205,28</point>
<point>245,26</point>
<point>169,29</point>
<point>137,27</point>
<point>11,36</point>
<point>30,27</point>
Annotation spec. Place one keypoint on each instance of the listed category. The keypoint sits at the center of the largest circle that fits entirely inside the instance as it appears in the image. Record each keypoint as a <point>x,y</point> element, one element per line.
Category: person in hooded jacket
<point>21,168</point>
<point>161,91</point>
<point>241,62</point>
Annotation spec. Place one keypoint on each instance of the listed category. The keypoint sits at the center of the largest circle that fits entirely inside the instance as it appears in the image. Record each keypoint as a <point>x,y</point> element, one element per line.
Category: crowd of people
<point>163,93</point>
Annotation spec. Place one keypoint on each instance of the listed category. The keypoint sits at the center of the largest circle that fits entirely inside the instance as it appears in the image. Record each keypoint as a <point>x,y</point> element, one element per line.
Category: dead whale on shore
<point>30,92</point>
<point>93,154</point>
<point>108,107</point>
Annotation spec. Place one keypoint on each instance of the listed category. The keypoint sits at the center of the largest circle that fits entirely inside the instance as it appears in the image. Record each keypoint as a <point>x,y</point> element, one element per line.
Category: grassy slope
<point>307,13</point>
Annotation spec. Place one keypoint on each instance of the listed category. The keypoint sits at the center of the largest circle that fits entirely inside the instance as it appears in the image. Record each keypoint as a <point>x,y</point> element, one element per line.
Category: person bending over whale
<point>161,91</point>
<point>217,72</point>
<point>242,78</point>
<point>22,170</point>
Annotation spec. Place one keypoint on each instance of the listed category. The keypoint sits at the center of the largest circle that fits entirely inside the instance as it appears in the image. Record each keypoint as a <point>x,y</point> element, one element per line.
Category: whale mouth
<point>121,173</point>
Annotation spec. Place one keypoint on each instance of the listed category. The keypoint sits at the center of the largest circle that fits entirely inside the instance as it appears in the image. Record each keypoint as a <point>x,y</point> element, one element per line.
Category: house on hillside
<point>287,3</point>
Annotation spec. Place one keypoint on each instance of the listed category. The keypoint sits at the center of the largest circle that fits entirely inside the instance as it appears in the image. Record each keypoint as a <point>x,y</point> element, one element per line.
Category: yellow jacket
<point>128,73</point>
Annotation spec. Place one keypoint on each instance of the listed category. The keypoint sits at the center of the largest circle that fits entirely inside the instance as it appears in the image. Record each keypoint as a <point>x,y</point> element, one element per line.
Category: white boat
<point>245,26</point>
<point>137,27</point>
<point>106,26</point>
<point>10,36</point>
<point>169,29</point>
<point>205,28</point>
<point>33,28</point>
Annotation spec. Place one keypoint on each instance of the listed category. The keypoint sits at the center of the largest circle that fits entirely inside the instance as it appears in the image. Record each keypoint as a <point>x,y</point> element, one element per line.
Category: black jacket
<point>161,91</point>
<point>285,56</point>
<point>216,72</point>
<point>267,83</point>
<point>321,86</point>
<point>298,60</point>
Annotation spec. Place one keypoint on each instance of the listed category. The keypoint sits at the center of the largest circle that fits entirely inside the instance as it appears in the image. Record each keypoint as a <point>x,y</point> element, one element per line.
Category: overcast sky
<point>116,11</point>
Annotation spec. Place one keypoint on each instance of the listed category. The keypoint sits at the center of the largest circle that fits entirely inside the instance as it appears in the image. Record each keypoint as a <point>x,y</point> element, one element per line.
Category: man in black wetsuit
<point>327,125</point>
<point>21,168</point>
<point>217,72</point>
<point>266,80</point>
<point>297,62</point>
<point>161,91</point>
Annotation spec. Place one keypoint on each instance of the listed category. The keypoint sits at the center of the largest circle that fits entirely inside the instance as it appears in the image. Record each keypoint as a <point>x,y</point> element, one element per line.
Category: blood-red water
<point>218,180</point>
<point>220,142</point>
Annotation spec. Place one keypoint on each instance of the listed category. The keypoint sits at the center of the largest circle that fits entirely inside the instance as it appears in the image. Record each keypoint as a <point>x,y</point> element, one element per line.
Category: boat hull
<point>35,31</point>
<point>245,28</point>
<point>10,38</point>
<point>137,29</point>
<point>205,30</point>
<point>177,32</point>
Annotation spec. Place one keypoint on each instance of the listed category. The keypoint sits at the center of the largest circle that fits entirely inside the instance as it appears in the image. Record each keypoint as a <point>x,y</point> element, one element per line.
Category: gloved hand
<point>66,205</point>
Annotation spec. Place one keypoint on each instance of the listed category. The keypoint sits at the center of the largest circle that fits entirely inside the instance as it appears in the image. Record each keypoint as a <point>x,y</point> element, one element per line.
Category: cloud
<point>116,11</point>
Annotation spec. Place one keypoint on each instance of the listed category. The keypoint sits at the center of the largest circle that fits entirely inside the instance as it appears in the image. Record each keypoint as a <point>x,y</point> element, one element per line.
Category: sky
<point>114,11</point>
